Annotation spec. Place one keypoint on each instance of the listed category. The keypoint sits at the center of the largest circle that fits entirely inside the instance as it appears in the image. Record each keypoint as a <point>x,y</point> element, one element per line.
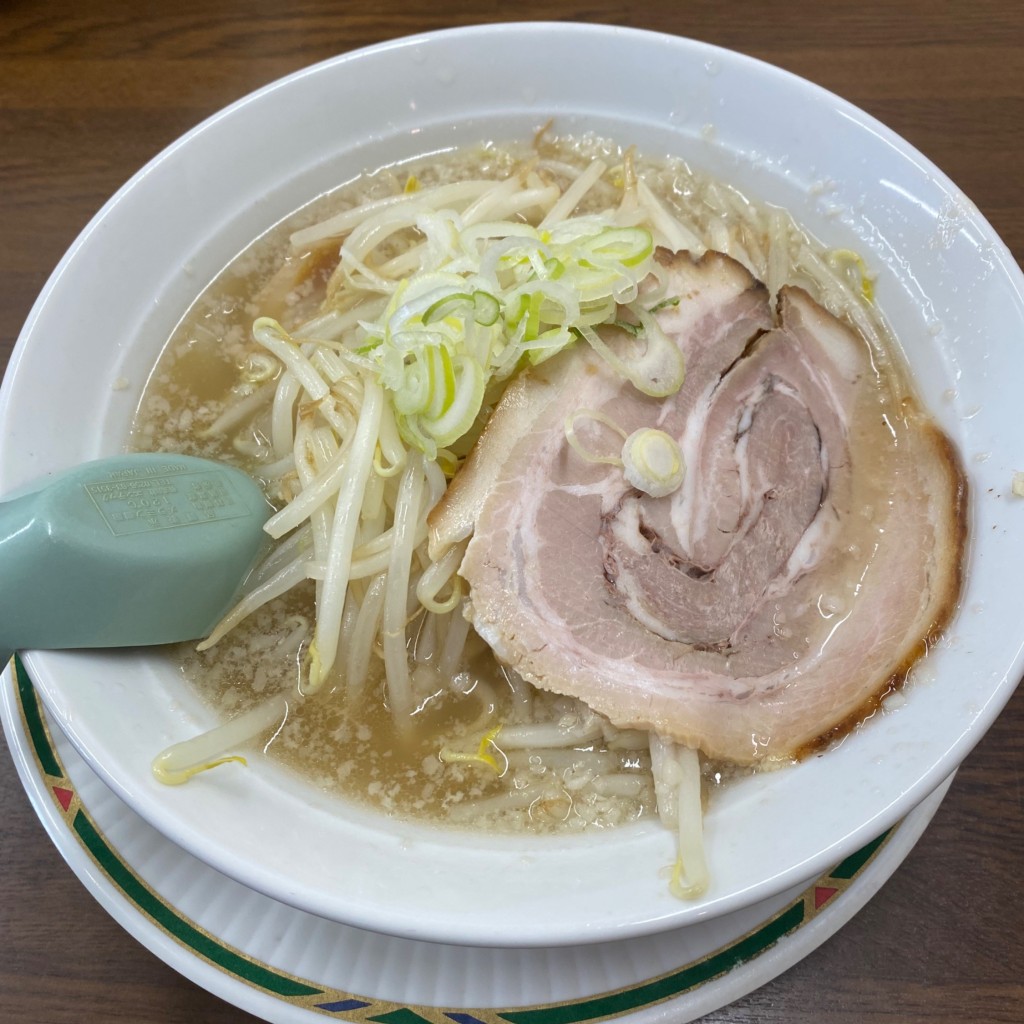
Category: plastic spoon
<point>131,550</point>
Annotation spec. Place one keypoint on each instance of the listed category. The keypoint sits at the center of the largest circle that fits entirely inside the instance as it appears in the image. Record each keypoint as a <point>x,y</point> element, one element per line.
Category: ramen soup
<point>596,483</point>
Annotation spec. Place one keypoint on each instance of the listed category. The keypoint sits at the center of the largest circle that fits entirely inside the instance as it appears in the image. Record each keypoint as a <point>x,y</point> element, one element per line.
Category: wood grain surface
<point>90,91</point>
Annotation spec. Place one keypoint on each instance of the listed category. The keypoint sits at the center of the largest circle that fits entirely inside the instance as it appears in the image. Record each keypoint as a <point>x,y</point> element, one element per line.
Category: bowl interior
<point>944,280</point>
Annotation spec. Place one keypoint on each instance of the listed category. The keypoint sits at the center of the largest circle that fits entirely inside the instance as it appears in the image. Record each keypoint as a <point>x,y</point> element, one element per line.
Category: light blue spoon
<point>131,550</point>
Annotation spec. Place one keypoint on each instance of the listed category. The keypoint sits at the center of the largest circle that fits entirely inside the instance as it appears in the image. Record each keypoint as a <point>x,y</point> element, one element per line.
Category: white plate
<point>289,967</point>
<point>946,282</point>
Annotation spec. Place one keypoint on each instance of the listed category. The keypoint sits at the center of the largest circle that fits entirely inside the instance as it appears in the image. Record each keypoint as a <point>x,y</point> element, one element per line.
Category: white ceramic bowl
<point>945,281</point>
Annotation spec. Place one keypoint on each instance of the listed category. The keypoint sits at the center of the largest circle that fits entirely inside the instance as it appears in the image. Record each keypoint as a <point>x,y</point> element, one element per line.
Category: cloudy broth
<point>343,739</point>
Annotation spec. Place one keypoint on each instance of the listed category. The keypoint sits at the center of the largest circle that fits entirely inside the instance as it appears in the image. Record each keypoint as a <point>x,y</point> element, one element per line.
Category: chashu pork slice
<point>811,554</point>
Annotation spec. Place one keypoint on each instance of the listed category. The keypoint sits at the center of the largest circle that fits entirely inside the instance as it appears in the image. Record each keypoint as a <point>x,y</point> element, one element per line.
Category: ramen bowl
<point>947,285</point>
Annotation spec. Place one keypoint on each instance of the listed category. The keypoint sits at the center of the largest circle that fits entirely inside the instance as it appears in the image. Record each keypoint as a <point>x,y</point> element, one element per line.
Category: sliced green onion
<point>448,376</point>
<point>650,459</point>
<point>486,308</point>
<point>483,307</point>
<point>465,404</point>
<point>628,326</point>
<point>658,371</point>
<point>506,293</point>
<point>451,305</point>
<point>577,445</point>
<point>628,246</point>
<point>652,462</point>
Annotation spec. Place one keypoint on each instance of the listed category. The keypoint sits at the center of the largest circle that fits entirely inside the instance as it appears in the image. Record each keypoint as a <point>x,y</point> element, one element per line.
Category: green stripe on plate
<point>670,985</point>
<point>34,723</point>
<point>852,865</point>
<point>181,929</point>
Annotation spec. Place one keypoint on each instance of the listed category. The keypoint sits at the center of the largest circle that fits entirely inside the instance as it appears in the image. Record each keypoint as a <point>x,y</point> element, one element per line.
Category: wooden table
<point>89,92</point>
